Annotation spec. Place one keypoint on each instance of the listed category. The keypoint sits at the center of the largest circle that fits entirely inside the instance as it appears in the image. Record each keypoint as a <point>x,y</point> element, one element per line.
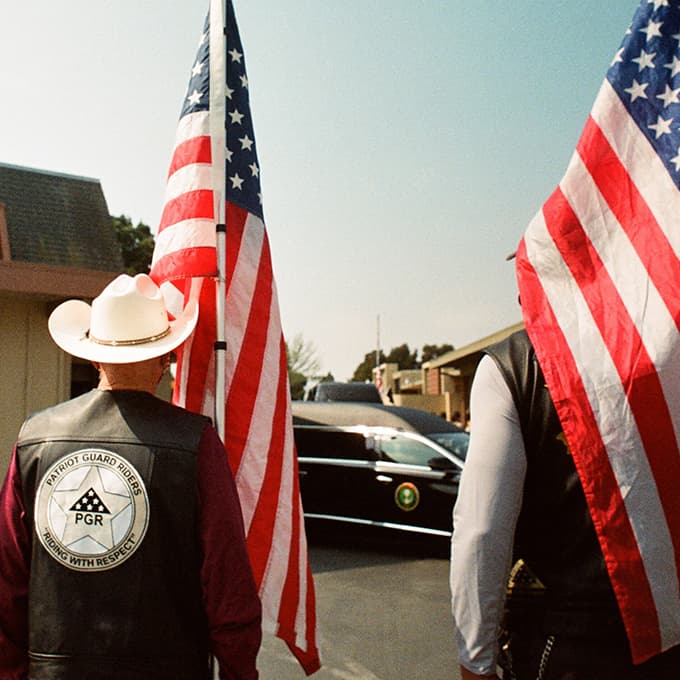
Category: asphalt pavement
<point>382,609</point>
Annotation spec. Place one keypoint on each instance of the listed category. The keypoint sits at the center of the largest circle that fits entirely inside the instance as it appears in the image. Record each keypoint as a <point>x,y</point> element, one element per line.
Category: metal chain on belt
<point>545,656</point>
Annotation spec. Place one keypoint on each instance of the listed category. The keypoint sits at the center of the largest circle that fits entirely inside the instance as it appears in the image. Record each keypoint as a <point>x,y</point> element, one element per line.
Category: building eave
<point>51,282</point>
<point>473,347</point>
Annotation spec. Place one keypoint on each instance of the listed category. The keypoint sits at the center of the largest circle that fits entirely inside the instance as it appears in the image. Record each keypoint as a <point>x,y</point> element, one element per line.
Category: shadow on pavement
<point>382,606</point>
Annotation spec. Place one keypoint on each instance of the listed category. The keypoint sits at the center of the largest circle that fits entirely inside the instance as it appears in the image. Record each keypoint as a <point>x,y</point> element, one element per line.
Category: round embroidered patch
<point>91,510</point>
<point>407,496</point>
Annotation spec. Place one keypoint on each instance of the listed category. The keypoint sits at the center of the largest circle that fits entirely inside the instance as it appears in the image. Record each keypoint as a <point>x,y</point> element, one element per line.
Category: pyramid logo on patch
<point>90,502</point>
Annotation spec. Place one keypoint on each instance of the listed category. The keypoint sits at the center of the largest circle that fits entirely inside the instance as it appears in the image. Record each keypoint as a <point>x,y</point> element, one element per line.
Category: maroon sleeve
<point>14,572</point>
<point>229,592</point>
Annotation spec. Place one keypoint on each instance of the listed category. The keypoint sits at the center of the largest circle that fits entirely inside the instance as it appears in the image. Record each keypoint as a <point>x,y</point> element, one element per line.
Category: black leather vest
<point>555,536</point>
<point>115,586</point>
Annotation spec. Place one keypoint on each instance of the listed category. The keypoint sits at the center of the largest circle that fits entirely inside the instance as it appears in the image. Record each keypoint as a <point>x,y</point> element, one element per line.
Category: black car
<point>345,391</point>
<point>378,465</point>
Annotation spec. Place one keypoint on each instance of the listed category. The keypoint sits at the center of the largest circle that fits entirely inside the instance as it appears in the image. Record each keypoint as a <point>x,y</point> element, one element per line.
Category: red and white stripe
<point>185,242</point>
<point>258,433</point>
<point>599,276</point>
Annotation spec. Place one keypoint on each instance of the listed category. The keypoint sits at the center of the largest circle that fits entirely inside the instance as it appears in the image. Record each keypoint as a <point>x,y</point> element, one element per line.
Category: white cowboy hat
<point>127,322</point>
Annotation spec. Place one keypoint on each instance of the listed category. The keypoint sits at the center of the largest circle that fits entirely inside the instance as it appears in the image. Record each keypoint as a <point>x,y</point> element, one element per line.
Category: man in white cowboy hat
<point>122,549</point>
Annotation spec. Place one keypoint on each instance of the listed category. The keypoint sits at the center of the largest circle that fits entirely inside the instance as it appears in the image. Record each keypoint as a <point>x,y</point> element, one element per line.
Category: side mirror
<point>442,463</point>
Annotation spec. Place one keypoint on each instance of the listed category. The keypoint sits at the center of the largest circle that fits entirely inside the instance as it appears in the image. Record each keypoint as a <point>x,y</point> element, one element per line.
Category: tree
<point>297,383</point>
<point>403,356</point>
<point>303,365</point>
<point>136,244</point>
<point>430,352</point>
<point>400,355</point>
<point>364,371</point>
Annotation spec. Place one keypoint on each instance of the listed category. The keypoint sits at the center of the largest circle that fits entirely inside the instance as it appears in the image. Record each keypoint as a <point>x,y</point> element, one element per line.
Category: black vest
<point>555,536</point>
<point>115,586</point>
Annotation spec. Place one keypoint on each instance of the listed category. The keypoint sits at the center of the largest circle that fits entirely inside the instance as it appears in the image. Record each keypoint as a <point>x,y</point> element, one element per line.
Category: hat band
<point>139,341</point>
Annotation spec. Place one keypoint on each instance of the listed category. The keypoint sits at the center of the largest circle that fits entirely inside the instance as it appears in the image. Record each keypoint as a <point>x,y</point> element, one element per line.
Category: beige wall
<point>454,386</point>
<point>34,373</point>
<point>435,403</point>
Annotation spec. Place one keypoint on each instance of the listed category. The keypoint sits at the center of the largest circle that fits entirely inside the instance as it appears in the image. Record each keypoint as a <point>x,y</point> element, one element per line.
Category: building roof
<point>56,219</point>
<point>476,347</point>
<point>345,414</point>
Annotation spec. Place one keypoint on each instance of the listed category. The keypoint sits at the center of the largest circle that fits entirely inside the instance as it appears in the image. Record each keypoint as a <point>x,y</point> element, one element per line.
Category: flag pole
<point>377,342</point>
<point>218,146</point>
<point>218,142</point>
<point>378,380</point>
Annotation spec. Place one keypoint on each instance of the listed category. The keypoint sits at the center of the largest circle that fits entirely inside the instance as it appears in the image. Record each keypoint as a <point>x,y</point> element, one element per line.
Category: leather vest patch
<point>91,510</point>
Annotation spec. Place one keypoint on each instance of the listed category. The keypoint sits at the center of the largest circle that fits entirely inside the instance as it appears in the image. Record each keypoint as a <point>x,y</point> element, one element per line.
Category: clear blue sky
<point>404,144</point>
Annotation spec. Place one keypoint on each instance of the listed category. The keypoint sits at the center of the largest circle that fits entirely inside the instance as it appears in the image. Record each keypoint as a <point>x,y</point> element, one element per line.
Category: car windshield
<point>456,442</point>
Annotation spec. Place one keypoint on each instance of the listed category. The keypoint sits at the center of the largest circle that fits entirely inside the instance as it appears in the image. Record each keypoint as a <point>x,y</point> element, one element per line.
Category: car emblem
<point>407,496</point>
<point>91,510</point>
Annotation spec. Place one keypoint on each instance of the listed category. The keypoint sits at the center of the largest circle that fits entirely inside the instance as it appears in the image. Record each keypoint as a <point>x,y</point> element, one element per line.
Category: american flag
<point>258,434</point>
<point>599,281</point>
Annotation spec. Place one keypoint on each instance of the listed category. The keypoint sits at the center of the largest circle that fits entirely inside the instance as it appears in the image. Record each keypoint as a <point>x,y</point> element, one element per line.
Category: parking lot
<point>382,608</point>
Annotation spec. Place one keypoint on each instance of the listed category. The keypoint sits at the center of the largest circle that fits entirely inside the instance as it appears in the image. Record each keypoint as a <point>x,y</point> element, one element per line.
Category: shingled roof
<point>57,219</point>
